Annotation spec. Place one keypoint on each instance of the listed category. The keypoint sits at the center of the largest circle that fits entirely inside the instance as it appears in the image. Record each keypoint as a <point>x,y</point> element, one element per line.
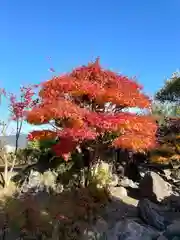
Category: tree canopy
<point>171,90</point>
<point>86,105</point>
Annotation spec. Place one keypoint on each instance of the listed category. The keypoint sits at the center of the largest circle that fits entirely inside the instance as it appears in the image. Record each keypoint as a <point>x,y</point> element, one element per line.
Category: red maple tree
<point>19,106</point>
<point>86,104</point>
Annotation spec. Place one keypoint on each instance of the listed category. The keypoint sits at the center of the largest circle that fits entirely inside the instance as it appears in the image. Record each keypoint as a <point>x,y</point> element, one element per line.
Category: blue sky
<point>135,37</point>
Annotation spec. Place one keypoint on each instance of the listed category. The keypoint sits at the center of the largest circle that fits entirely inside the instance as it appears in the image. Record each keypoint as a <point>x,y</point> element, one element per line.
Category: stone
<point>154,214</point>
<point>167,173</point>
<point>114,180</point>
<point>175,175</point>
<point>173,202</point>
<point>154,187</point>
<point>131,230</point>
<point>162,238</point>
<point>118,209</point>
<point>118,192</point>
<point>33,183</point>
<point>126,182</point>
<point>172,231</point>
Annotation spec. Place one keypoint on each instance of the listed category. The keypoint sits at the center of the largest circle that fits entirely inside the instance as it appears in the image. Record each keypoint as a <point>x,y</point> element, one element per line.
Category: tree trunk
<point>17,141</point>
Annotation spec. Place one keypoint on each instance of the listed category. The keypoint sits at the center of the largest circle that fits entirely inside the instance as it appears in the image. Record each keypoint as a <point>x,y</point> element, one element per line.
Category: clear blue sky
<point>135,37</point>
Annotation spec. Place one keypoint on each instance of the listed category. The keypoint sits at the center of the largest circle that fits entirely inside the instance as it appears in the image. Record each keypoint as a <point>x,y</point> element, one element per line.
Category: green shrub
<point>101,175</point>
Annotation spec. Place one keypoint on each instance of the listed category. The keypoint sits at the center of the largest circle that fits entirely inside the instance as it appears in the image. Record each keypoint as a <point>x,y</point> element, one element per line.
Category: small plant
<point>101,175</point>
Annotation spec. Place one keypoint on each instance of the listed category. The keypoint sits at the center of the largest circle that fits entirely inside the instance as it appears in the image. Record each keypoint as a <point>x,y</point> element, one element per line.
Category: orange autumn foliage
<point>76,105</point>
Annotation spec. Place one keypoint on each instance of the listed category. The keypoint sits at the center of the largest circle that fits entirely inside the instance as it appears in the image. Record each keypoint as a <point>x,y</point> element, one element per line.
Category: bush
<point>101,175</point>
<point>168,137</point>
<point>64,215</point>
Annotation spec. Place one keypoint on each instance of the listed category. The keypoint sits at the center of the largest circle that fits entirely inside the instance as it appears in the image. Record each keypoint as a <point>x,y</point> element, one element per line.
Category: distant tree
<point>166,103</point>
<point>166,108</point>
<point>171,90</point>
<point>169,94</point>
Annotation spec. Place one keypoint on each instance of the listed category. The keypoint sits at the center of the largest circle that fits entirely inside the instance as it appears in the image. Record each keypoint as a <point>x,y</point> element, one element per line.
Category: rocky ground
<point>148,209</point>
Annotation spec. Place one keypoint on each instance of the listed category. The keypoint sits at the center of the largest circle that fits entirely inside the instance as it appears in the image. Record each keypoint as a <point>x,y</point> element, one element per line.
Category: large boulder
<point>154,187</point>
<point>154,215</point>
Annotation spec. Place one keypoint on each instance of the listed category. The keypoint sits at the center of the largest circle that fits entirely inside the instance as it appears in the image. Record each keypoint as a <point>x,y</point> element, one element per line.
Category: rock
<point>114,180</point>
<point>118,192</point>
<point>153,187</point>
<point>162,238</point>
<point>172,202</point>
<point>172,232</point>
<point>174,162</point>
<point>153,214</point>
<point>131,230</point>
<point>33,182</point>
<point>117,210</point>
<point>167,173</point>
<point>175,175</point>
<point>37,182</point>
<point>126,182</point>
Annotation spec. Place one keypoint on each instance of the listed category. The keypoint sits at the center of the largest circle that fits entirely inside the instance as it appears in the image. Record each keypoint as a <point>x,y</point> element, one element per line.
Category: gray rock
<point>116,210</point>
<point>162,238</point>
<point>175,174</point>
<point>167,173</point>
<point>153,214</point>
<point>131,230</point>
<point>33,183</point>
<point>173,202</point>
<point>173,231</point>
<point>154,187</point>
